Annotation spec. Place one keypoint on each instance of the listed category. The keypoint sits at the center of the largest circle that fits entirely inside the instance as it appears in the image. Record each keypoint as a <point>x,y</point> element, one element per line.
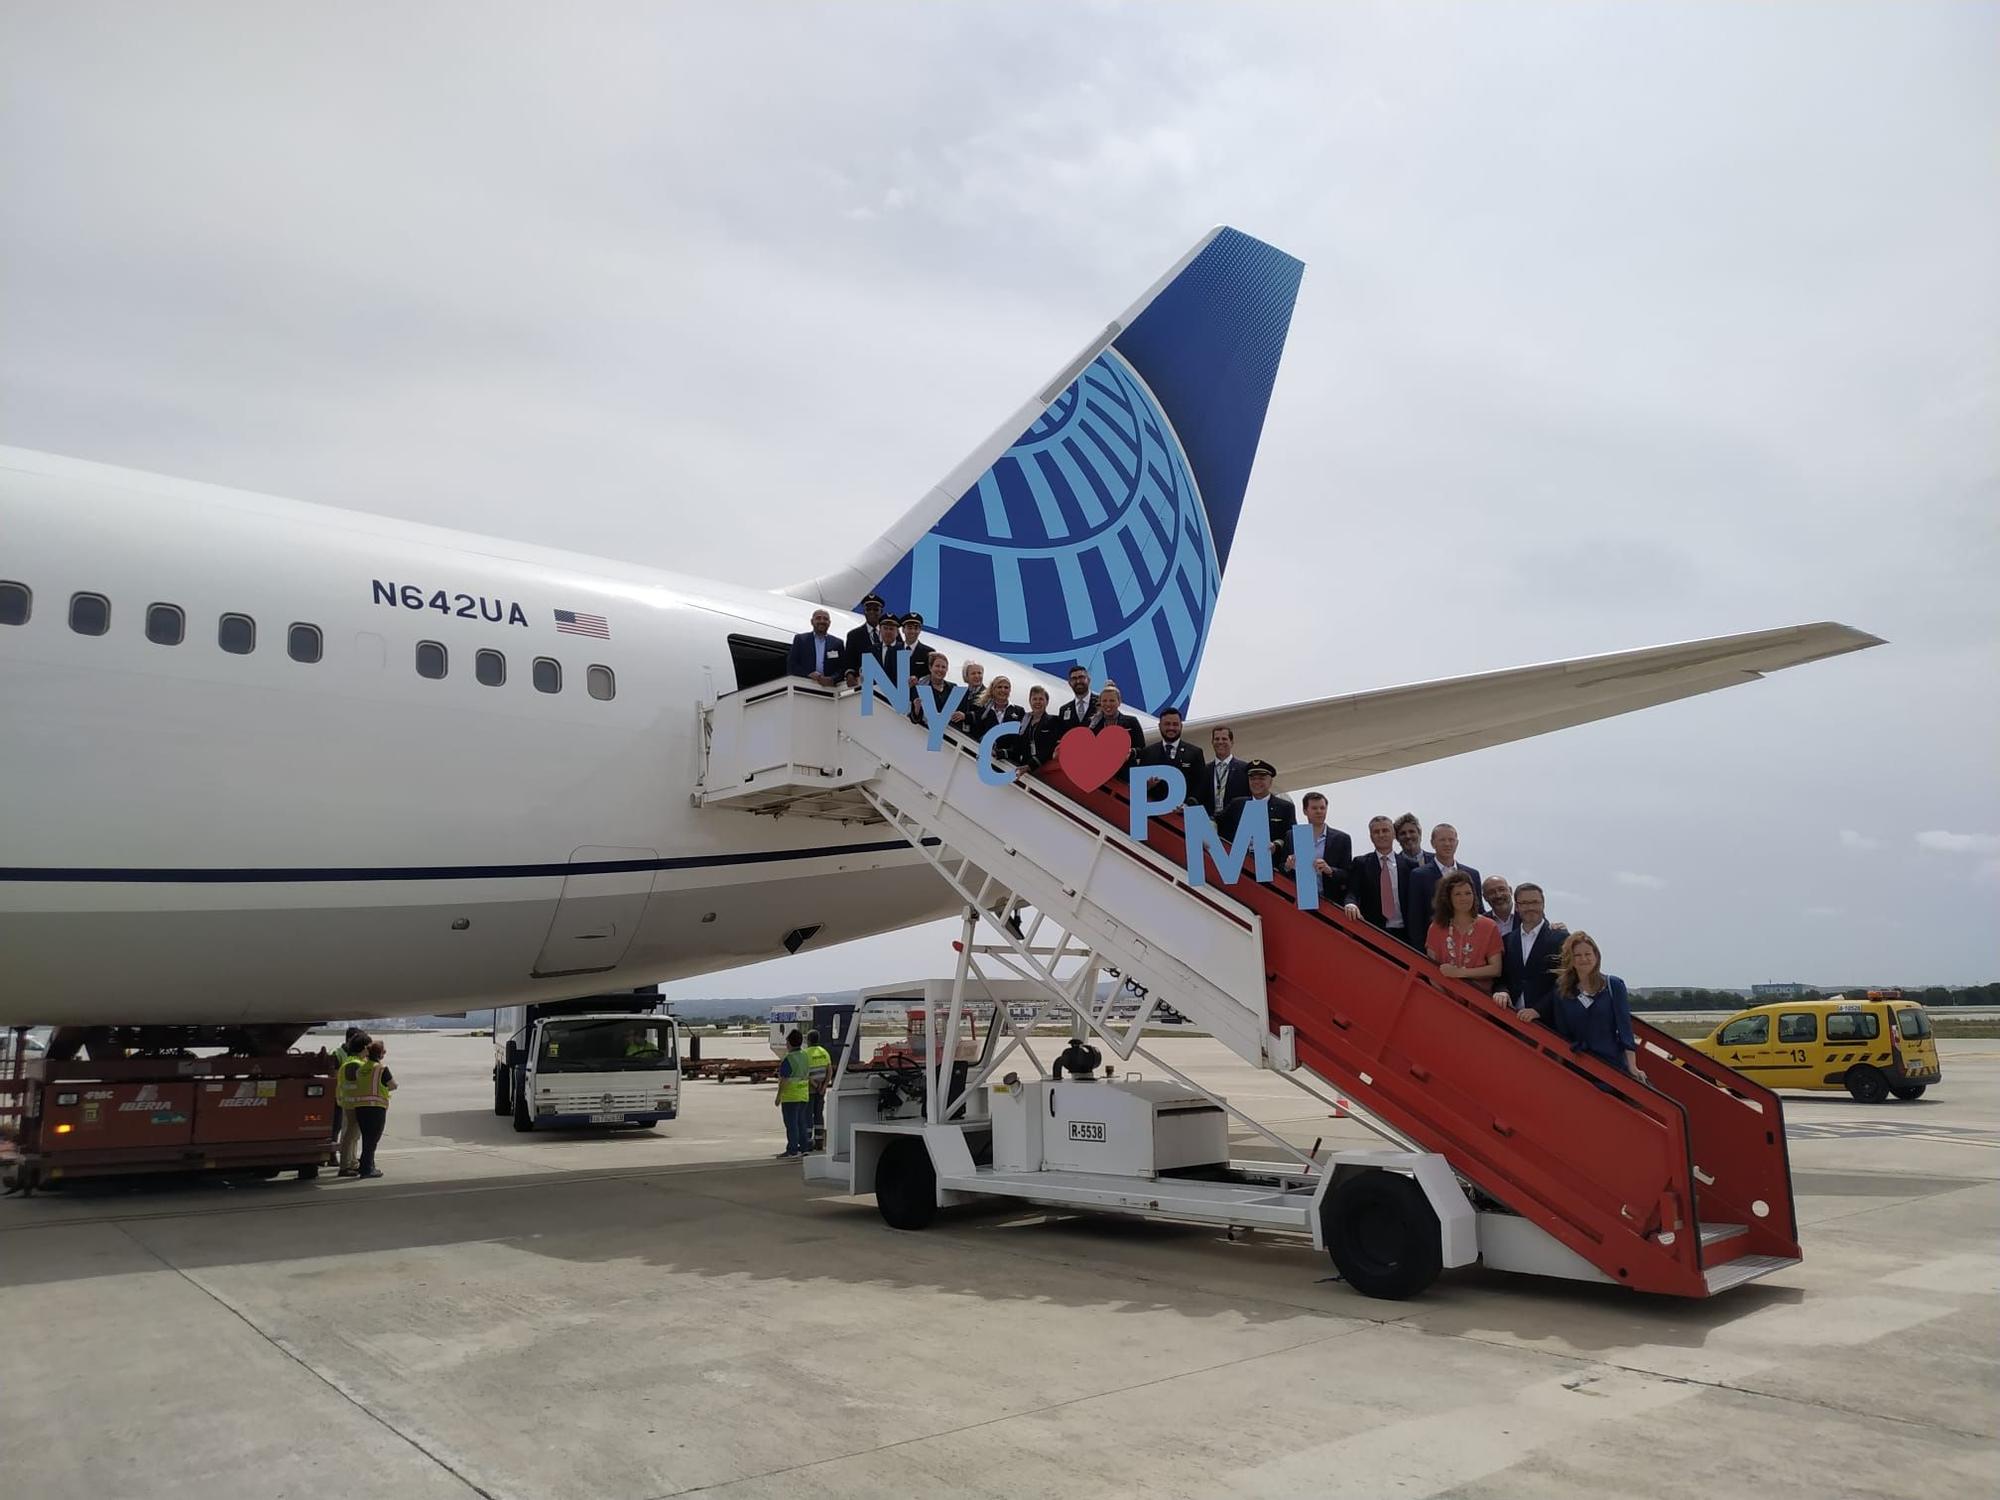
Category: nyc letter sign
<point>1091,758</point>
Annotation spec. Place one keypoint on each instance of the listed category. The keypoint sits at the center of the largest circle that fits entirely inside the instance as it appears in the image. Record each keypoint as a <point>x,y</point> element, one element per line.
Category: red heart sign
<point>1092,757</point>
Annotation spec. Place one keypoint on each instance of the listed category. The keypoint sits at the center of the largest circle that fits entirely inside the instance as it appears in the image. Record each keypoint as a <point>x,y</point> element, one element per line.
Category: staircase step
<point>1745,1268</point>
<point>1715,1233</point>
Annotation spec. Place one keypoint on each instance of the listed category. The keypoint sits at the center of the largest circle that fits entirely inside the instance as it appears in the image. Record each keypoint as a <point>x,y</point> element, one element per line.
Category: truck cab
<point>603,1060</point>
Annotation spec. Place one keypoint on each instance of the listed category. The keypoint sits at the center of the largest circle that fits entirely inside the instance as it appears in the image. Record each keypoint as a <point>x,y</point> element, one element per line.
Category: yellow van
<point>1874,1046</point>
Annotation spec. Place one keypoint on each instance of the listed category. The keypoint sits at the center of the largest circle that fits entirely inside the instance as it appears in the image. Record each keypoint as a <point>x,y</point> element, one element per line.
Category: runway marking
<point>1448,1450</point>
<point>1978,1274</point>
<point>1902,1130</point>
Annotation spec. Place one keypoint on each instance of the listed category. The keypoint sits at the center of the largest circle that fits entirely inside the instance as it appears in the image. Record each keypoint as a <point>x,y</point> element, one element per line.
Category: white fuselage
<point>190,835</point>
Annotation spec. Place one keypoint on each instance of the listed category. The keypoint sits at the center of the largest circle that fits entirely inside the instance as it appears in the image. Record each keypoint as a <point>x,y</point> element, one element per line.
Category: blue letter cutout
<point>1171,781</point>
<point>989,773</point>
<point>1303,873</point>
<point>873,677</point>
<point>940,717</point>
<point>1254,839</point>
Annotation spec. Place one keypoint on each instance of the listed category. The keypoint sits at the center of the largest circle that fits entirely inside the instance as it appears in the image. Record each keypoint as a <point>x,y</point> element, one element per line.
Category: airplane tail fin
<point>1095,524</point>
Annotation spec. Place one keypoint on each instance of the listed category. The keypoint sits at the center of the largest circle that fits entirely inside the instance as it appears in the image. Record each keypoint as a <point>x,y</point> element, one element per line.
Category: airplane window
<point>166,625</point>
<point>431,660</point>
<point>236,634</point>
<point>89,614</point>
<point>548,675</point>
<point>490,667</point>
<point>15,602</point>
<point>303,643</point>
<point>601,683</point>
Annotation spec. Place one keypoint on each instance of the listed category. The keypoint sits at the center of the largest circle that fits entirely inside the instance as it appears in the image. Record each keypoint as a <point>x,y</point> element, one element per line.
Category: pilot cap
<point>1262,768</point>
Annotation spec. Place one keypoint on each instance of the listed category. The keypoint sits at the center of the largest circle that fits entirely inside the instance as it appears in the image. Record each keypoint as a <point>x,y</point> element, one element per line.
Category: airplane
<point>269,762</point>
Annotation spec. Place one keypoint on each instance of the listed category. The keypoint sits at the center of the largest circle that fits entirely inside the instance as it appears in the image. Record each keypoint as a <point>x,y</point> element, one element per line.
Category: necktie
<point>1221,779</point>
<point>1386,863</point>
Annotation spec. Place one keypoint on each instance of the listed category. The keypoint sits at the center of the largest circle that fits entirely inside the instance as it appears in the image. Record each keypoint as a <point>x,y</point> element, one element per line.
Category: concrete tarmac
<point>600,1315</point>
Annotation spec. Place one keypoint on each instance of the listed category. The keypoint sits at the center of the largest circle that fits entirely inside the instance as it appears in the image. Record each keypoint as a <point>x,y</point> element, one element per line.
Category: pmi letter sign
<point>1156,791</point>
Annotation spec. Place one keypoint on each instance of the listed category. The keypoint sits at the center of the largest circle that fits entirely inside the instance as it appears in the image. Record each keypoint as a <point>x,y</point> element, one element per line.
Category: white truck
<point>598,1060</point>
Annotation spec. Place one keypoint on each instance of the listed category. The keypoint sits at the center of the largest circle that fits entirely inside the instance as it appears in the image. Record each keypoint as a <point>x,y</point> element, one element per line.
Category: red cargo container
<point>262,1109</point>
<point>92,1116</point>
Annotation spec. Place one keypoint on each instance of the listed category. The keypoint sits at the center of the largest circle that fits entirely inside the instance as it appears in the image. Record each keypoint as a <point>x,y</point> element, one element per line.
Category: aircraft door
<point>600,910</point>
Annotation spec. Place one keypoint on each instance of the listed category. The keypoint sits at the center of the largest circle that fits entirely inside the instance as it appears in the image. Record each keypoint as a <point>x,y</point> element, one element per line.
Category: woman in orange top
<point>1464,944</point>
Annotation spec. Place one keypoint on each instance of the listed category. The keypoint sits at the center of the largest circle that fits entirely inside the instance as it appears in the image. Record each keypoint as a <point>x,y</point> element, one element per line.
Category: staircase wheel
<point>502,1104</point>
<point>1383,1235</point>
<point>1867,1084</point>
<point>906,1185</point>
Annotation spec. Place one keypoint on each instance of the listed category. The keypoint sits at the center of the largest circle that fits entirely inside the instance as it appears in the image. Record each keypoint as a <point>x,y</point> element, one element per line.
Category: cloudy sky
<point>1621,324</point>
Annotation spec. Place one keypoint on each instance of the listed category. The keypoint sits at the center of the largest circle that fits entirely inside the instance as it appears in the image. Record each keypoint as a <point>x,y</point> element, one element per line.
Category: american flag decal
<point>569,622</point>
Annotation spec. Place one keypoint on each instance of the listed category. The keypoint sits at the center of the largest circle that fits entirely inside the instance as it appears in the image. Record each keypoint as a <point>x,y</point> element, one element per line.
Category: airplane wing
<point>1337,739</point>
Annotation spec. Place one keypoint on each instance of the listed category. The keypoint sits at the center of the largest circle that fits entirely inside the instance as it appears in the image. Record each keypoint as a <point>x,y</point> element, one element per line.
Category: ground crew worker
<point>373,1085</point>
<point>346,1079</point>
<point>819,1073</point>
<point>639,1043</point>
<point>354,1046</point>
<point>795,1098</point>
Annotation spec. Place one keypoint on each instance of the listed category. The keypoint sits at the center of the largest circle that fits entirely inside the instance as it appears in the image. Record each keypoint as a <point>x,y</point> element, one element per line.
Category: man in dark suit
<point>1528,955</point>
<point>816,654</point>
<point>1332,852</point>
<point>865,639</point>
<point>1171,750</point>
<point>1443,860</point>
<point>1228,778</point>
<point>1410,839</point>
<point>1111,710</point>
<point>1278,813</point>
<point>1378,887</point>
<point>1081,703</point>
<point>919,649</point>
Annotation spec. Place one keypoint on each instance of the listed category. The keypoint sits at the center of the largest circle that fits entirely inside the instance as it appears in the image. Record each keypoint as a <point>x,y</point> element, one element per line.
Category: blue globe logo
<point>1085,541</point>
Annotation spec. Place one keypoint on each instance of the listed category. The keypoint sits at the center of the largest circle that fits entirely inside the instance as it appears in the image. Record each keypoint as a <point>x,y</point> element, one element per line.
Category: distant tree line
<point>1935,996</point>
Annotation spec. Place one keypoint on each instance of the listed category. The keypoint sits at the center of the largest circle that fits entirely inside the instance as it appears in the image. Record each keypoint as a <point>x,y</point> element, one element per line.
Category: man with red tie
<point>1380,887</point>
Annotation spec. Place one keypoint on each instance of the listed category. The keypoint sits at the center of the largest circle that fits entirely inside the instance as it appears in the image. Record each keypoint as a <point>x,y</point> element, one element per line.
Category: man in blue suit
<point>1390,903</point>
<point>817,654</point>
<point>1443,860</point>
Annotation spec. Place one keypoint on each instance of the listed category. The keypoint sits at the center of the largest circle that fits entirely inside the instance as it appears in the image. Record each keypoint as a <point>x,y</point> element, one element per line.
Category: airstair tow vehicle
<point>1500,1145</point>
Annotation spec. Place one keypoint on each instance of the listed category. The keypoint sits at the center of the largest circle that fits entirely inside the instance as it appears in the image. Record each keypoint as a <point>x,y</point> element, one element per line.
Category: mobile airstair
<point>1501,1145</point>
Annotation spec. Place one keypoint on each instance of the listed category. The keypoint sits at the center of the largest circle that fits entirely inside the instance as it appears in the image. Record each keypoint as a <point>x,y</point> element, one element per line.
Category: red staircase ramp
<point>1601,1162</point>
<point>1743,1167</point>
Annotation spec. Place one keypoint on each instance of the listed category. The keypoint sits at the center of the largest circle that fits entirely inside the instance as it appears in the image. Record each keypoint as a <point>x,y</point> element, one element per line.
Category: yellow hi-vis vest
<point>362,1085</point>
<point>819,1066</point>
<point>795,1082</point>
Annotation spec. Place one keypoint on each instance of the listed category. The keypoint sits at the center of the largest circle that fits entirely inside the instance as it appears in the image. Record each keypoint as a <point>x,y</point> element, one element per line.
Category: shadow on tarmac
<point>752,1219</point>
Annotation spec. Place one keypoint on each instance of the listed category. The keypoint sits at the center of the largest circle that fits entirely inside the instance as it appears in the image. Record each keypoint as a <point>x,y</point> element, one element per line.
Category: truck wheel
<point>523,1120</point>
<point>1383,1235</point>
<point>906,1185</point>
<point>502,1105</point>
<point>1909,1090</point>
<point>1867,1084</point>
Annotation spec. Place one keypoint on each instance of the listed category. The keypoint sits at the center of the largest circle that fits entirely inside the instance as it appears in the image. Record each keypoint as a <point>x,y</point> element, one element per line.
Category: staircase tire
<point>503,1105</point>
<point>1868,1085</point>
<point>906,1185</point>
<point>1909,1091</point>
<point>1383,1235</point>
